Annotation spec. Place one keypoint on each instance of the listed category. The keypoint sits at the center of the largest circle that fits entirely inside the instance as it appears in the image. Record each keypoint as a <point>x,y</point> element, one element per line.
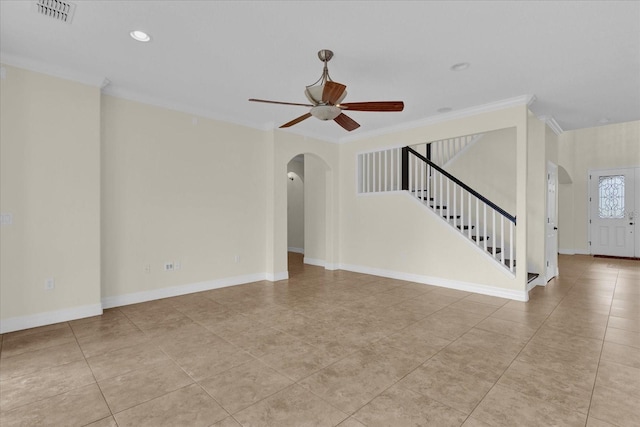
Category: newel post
<point>405,168</point>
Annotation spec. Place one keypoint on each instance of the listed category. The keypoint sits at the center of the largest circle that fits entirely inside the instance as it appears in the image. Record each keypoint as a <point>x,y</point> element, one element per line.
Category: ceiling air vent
<point>56,9</point>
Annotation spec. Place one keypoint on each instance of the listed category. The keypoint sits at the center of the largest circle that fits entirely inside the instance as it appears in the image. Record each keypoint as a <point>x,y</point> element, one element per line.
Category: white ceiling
<point>581,60</point>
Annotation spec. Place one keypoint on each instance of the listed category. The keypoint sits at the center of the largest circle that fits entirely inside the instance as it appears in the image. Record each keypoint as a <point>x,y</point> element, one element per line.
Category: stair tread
<point>465,227</point>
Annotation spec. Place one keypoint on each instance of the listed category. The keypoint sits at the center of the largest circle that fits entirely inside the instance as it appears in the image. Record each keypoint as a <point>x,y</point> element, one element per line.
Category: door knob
<point>555,228</point>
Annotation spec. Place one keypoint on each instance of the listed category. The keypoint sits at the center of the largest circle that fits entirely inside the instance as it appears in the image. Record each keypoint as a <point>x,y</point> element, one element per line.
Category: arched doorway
<point>309,211</point>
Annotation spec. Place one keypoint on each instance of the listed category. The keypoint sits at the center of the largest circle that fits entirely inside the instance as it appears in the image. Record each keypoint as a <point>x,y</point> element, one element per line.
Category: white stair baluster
<point>455,210</point>
<point>495,242</point>
<point>512,266</point>
<point>470,219</point>
<point>410,173</point>
<point>366,172</point>
<point>448,205</point>
<point>422,180</point>
<point>462,210</point>
<point>429,183</point>
<point>399,169</point>
<point>380,171</point>
<point>386,172</point>
<point>486,236</point>
<point>441,201</point>
<point>502,238</point>
<point>478,221</point>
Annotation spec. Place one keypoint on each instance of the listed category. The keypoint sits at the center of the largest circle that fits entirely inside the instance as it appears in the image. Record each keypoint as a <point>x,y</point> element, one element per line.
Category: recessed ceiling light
<point>140,36</point>
<point>444,109</point>
<point>604,121</point>
<point>460,66</point>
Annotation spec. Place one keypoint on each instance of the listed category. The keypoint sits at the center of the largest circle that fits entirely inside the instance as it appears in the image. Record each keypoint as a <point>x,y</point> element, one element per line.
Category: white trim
<point>456,114</point>
<point>550,121</point>
<point>49,318</point>
<point>573,252</point>
<point>283,275</point>
<point>295,250</point>
<point>52,70</point>
<point>330,266</point>
<point>441,282</point>
<point>174,291</point>
<point>314,261</point>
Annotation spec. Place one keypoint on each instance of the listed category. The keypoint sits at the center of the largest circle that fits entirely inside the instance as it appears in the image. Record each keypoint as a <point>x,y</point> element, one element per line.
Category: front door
<point>613,211</point>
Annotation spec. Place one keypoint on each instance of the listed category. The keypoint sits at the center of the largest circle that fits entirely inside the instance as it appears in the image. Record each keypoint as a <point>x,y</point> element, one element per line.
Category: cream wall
<point>180,189</point>
<point>393,233</point>
<point>489,167</point>
<point>610,146</point>
<point>50,183</point>
<point>295,206</point>
<point>536,196</point>
<point>315,199</point>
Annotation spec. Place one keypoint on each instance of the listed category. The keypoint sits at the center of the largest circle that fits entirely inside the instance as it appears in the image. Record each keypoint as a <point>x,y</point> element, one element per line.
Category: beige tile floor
<point>338,348</point>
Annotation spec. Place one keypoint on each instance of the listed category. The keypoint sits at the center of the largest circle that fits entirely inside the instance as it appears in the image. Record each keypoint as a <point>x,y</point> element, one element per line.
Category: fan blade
<point>332,92</point>
<point>373,106</point>
<point>346,122</point>
<point>296,121</point>
<point>278,102</point>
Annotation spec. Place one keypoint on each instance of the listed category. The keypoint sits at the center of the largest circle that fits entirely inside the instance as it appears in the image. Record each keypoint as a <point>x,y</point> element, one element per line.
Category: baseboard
<point>314,261</point>
<point>49,318</point>
<point>439,281</point>
<point>174,291</point>
<point>573,252</point>
<point>283,275</point>
<point>296,250</point>
<point>566,251</point>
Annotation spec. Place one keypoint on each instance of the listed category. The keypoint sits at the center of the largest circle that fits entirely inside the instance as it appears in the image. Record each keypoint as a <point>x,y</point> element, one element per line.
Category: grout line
<point>595,379</point>
<point>92,374</point>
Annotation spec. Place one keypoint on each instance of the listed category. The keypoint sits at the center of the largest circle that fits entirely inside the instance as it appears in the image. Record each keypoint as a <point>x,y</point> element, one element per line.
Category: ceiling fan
<point>326,98</point>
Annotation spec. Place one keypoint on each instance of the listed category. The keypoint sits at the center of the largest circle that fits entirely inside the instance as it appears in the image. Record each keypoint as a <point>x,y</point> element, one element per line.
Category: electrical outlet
<point>177,265</point>
<point>168,266</point>
<point>237,258</point>
<point>49,284</point>
<point>147,268</point>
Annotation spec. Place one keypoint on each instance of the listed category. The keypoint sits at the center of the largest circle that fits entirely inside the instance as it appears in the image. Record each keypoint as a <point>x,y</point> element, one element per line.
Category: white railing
<point>380,171</point>
<point>486,225</point>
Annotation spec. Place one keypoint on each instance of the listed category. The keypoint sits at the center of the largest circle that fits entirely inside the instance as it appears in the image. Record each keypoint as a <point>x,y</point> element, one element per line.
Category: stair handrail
<point>405,181</point>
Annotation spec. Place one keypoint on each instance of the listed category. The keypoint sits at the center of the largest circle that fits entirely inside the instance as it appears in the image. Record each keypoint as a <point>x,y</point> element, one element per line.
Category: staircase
<point>480,221</point>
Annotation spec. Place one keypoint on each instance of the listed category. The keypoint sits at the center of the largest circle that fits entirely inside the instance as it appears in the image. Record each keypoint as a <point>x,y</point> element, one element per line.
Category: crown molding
<point>52,70</point>
<point>551,122</point>
<point>445,117</point>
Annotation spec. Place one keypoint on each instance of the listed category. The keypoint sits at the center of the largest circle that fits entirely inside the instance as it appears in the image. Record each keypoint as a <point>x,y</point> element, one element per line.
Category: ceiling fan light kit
<point>326,98</point>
